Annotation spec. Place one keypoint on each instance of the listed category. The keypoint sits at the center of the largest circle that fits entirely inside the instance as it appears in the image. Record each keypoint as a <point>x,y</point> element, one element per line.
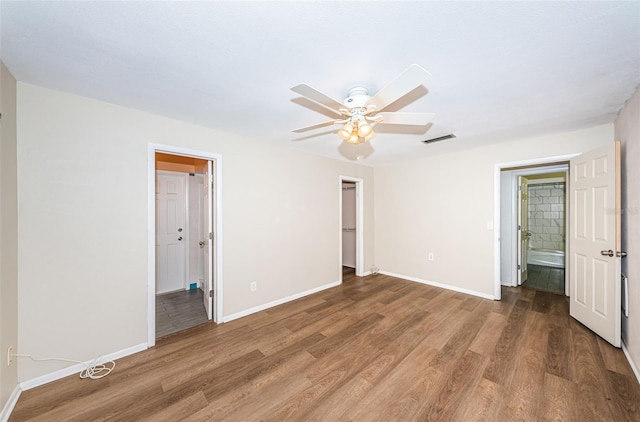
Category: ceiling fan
<point>360,112</point>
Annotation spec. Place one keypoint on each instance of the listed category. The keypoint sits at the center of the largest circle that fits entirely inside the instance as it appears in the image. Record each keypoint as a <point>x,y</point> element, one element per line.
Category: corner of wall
<point>627,131</point>
<point>8,240</point>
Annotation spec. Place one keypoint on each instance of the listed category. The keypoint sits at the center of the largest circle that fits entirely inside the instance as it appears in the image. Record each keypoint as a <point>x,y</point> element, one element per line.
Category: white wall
<point>8,233</point>
<point>627,130</point>
<point>83,222</point>
<point>443,204</point>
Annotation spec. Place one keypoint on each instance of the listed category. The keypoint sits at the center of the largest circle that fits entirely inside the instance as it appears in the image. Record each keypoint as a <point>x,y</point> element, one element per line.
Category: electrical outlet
<point>9,355</point>
<point>254,286</point>
<point>430,256</point>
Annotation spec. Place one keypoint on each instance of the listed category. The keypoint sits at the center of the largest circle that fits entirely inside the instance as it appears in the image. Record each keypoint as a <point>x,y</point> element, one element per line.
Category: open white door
<point>594,247</point>
<point>523,228</point>
<point>208,238</point>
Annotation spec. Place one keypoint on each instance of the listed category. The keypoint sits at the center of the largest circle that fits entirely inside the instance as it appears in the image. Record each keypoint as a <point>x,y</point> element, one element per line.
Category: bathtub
<point>546,257</point>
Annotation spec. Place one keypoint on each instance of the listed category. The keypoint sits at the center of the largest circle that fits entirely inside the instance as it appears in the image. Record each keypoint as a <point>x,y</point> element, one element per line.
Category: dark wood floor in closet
<point>372,349</point>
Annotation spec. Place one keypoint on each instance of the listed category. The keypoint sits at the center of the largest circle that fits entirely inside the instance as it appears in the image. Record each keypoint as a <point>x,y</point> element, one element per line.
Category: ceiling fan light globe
<point>364,129</point>
<point>353,139</point>
<point>342,133</point>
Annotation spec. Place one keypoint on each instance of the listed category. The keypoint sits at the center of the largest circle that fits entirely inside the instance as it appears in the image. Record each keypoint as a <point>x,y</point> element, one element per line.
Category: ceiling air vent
<point>439,138</point>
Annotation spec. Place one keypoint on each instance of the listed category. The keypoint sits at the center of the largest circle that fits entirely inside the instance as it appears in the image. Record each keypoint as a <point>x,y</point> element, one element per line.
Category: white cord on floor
<point>92,370</point>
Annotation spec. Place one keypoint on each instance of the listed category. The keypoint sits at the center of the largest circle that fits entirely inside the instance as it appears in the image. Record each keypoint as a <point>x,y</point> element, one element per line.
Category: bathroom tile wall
<point>546,216</point>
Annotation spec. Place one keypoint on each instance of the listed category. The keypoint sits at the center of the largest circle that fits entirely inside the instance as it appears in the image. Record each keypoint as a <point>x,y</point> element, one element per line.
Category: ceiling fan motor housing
<point>358,97</point>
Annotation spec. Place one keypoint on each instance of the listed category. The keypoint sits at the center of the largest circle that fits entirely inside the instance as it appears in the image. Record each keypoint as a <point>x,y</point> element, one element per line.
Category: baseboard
<point>631,362</point>
<point>10,404</point>
<point>79,367</point>
<point>278,302</point>
<point>440,285</point>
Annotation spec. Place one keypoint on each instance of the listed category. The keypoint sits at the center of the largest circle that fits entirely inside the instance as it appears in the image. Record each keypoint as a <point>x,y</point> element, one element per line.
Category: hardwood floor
<point>372,349</point>
<point>545,278</point>
<point>177,311</point>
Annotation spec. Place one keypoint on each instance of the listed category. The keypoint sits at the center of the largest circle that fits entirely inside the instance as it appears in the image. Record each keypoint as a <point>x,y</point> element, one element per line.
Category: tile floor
<point>177,311</point>
<point>543,278</point>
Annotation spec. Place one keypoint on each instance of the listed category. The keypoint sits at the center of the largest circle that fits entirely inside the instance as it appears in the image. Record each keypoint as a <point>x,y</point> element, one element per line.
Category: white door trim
<point>151,231</point>
<point>359,224</point>
<point>497,295</point>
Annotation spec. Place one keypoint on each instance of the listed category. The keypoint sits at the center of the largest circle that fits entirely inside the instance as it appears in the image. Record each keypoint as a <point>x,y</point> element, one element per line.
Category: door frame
<point>547,161</point>
<point>151,230</point>
<point>359,223</point>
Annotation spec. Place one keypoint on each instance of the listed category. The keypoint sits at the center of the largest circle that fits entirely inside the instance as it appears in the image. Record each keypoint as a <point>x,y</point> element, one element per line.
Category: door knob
<point>180,230</point>
<point>607,253</point>
<point>180,238</point>
<point>201,243</point>
<point>621,254</point>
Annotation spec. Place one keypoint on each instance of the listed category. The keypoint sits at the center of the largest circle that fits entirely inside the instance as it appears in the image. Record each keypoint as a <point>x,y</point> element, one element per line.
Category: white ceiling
<point>501,70</point>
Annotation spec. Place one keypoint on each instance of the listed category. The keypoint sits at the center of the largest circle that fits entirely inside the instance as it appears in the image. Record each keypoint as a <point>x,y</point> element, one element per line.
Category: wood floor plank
<point>458,344</point>
<point>558,353</point>
<point>502,361</point>
<point>457,388</point>
<point>276,343</point>
<point>268,390</point>
<point>176,411</point>
<point>525,388</point>
<point>485,341</point>
<point>374,348</point>
<point>626,391</point>
<point>400,395</point>
<point>613,359</point>
<point>592,383</point>
<point>485,402</point>
<point>558,399</point>
<point>537,328</point>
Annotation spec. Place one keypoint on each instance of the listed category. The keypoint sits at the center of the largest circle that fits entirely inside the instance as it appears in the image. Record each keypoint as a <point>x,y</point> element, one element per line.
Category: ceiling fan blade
<point>318,126</point>
<point>410,79</point>
<point>403,118</point>
<point>319,97</point>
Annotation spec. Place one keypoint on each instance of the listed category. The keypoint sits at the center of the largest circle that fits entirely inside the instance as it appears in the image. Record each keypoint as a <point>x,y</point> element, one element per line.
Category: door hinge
<point>211,235</point>
<point>210,293</point>
<point>518,226</point>
<point>518,266</point>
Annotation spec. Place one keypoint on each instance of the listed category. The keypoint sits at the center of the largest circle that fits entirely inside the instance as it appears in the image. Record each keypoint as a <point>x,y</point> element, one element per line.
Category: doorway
<point>348,228</point>
<point>504,214</point>
<point>533,228</point>
<point>180,243</point>
<point>185,237</point>
<point>351,226</point>
<point>593,237</point>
